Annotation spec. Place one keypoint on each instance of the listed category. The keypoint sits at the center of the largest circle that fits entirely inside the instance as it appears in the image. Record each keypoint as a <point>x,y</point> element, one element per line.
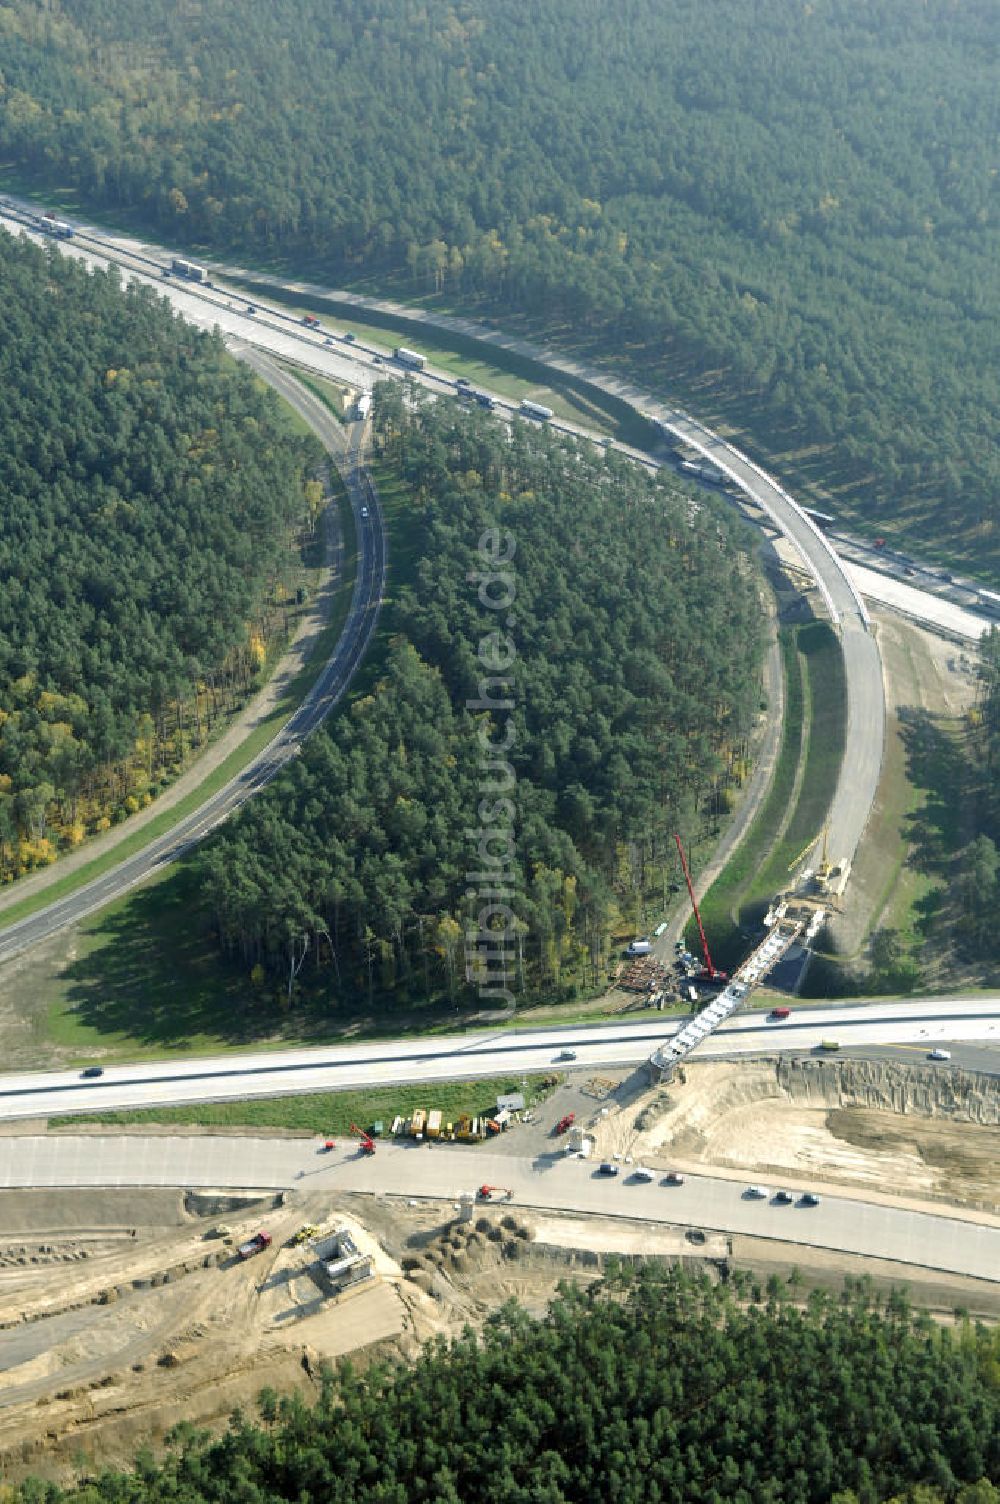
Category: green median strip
<point>725,895</point>
<point>332,1112</point>
<point>826,689</point>
<point>504,372</point>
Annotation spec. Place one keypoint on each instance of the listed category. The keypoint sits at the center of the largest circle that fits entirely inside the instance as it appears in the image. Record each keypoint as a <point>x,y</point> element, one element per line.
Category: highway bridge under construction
<point>796,916</point>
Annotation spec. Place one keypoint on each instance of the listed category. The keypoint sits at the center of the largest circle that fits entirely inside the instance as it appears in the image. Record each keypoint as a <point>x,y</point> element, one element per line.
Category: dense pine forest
<point>976,892</point>
<point>785,214</point>
<point>661,1388</point>
<point>151,499</point>
<point>627,657</point>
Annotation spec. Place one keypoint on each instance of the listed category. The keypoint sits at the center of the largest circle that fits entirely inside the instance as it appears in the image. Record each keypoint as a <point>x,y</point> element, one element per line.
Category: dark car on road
<point>91,1072</point>
<point>809,1198</point>
<point>607,1168</point>
<point>783,1198</point>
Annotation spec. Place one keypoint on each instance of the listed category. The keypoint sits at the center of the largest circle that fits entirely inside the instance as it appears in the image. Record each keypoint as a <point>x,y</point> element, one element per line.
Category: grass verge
<point>813,740</point>
<point>504,372</point>
<point>825,708</point>
<point>721,903</point>
<point>332,1112</point>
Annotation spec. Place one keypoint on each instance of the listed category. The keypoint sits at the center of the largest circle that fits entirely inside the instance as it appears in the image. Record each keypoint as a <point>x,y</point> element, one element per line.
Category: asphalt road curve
<point>283,332</point>
<point>548,1181</point>
<point>329,687</point>
<point>865,733</point>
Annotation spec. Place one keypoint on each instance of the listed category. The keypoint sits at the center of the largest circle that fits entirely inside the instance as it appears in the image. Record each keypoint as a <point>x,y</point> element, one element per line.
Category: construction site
<point>121,1311</point>
<point>124,1311</point>
<point>794,919</point>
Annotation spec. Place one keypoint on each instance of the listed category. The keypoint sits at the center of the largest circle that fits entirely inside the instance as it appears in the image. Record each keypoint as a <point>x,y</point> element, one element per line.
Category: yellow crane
<point>805,852</point>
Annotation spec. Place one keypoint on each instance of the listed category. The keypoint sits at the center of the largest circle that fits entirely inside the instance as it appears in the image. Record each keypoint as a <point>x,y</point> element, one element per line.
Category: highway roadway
<point>334,678</point>
<point>361,364</point>
<point>865,734</point>
<point>968,1246</point>
<point>907,1029</point>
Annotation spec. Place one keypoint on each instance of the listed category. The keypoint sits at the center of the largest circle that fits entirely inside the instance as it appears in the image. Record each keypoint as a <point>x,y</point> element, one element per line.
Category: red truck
<point>256,1244</point>
<point>310,320</point>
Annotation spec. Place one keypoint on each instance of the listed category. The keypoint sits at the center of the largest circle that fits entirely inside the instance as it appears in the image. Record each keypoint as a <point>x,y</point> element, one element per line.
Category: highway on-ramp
<point>955,1244</point>
<point>334,678</point>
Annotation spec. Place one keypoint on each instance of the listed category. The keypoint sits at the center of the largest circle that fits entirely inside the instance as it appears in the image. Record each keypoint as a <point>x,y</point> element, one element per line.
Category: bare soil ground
<point>746,1115</point>
<point>122,1313</point>
<point>113,1328</point>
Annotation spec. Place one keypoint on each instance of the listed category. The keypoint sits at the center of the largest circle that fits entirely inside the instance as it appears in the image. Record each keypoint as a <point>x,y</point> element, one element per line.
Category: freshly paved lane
<point>952,1244</point>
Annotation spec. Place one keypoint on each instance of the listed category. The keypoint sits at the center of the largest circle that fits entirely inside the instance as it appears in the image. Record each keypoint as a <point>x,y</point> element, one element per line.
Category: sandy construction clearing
<point>120,1315</point>
<point>882,1127</point>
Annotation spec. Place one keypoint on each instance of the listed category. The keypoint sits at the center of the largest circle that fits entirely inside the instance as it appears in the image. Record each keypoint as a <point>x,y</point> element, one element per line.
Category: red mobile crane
<point>367,1144</point>
<point>709,973</point>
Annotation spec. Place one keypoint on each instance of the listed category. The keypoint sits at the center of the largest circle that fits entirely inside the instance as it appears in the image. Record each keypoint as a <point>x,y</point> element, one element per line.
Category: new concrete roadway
<point>382,1063</point>
<point>955,1244</point>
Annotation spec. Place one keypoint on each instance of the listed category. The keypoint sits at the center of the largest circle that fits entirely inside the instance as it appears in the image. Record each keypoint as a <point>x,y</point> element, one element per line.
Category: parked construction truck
<point>254,1245</point>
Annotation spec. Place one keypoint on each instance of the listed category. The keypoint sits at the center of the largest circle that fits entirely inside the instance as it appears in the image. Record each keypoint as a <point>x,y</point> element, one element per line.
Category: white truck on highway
<point>411,358</point>
<point>535,410</point>
<point>189,269</point>
<point>704,471</point>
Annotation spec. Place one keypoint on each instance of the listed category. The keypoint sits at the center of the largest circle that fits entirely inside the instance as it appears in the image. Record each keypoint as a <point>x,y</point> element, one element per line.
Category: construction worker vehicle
<point>254,1245</point>
<point>303,1235</point>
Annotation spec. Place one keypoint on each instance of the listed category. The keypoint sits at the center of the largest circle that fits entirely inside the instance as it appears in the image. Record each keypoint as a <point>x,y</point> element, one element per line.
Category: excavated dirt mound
<point>875,1124</point>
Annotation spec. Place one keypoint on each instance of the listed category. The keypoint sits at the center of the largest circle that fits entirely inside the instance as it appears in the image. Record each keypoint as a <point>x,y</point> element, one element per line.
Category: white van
<point>640,948</point>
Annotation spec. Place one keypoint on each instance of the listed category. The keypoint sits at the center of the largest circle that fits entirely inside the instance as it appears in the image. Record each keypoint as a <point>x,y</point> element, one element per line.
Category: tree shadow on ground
<point>149,968</point>
<point>937,768</point>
